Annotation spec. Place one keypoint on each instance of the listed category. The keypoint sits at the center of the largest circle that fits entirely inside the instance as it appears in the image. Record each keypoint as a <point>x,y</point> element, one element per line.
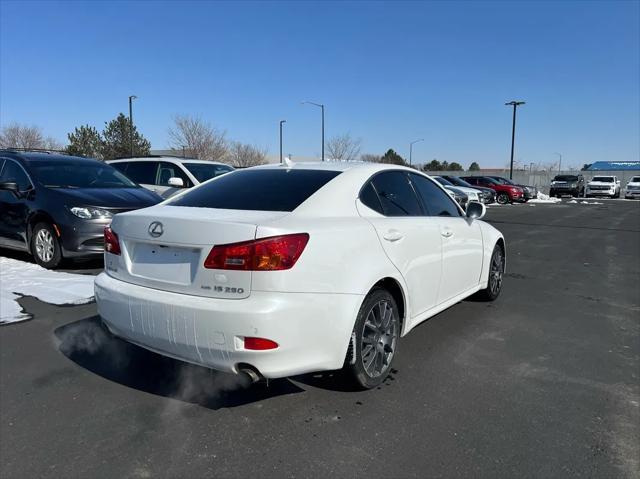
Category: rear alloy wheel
<point>496,275</point>
<point>502,198</point>
<point>45,246</point>
<point>374,340</point>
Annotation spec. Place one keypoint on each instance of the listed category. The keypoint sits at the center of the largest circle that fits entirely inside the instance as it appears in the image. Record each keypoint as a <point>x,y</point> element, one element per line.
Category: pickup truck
<point>603,186</point>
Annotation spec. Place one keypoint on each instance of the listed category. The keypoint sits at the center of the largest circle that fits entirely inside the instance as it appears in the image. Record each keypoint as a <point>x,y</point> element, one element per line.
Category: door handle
<point>393,235</point>
<point>447,233</point>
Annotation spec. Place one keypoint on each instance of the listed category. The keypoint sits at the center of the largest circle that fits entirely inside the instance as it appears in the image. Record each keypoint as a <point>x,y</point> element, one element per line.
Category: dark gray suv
<point>56,206</point>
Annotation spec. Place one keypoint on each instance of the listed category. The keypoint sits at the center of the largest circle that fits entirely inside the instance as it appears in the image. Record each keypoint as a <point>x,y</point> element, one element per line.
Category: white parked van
<point>168,175</point>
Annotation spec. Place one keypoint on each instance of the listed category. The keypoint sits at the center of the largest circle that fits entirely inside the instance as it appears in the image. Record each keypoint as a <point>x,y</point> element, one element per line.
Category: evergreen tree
<point>393,158</point>
<point>433,165</point>
<point>455,167</point>
<point>474,166</point>
<point>85,141</point>
<point>117,140</point>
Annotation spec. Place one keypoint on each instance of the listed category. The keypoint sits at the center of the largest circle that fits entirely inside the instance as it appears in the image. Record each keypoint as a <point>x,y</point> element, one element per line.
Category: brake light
<point>111,243</point>
<point>259,344</point>
<point>276,253</point>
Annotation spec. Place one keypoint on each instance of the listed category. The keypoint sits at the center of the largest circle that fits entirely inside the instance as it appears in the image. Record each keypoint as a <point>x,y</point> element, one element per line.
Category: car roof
<point>171,159</point>
<point>41,157</point>
<point>333,165</point>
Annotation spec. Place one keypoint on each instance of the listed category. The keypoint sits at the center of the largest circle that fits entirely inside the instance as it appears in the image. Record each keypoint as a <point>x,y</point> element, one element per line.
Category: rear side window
<point>142,171</point>
<point>396,194</point>
<point>257,189</point>
<point>369,198</point>
<point>436,201</point>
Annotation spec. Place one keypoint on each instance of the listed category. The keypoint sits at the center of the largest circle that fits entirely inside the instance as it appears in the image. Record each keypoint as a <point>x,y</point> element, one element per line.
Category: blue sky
<point>388,73</point>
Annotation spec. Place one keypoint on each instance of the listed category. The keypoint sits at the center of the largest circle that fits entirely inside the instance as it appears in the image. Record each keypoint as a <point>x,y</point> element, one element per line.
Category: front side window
<point>169,170</point>
<point>204,172</point>
<point>396,194</point>
<point>77,174</point>
<point>436,201</point>
<point>268,189</point>
<point>13,172</point>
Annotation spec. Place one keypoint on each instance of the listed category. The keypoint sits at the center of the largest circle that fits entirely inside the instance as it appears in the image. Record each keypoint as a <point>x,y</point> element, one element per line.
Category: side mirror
<point>176,182</point>
<point>475,210</point>
<point>10,186</point>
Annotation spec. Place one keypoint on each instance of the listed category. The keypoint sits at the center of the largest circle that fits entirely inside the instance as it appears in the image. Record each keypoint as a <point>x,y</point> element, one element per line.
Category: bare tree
<point>245,155</point>
<point>368,157</point>
<point>15,135</point>
<point>198,138</point>
<point>343,147</point>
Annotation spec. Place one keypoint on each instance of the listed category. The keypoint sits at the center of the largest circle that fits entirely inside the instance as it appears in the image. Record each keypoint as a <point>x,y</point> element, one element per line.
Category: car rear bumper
<point>312,330</point>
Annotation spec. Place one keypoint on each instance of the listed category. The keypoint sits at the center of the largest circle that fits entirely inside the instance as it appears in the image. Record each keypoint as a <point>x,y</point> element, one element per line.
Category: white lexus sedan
<point>287,269</point>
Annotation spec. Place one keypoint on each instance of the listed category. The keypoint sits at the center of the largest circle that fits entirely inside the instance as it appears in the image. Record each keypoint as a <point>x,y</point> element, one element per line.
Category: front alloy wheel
<point>503,198</point>
<point>496,275</point>
<point>45,246</point>
<point>374,342</point>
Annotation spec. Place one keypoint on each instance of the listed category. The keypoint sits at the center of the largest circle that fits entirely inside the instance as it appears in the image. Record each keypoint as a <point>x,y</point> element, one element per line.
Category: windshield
<point>565,178</point>
<point>442,181</point>
<point>262,189</point>
<point>603,179</point>
<point>204,172</point>
<point>454,180</point>
<point>76,174</point>
<point>635,179</point>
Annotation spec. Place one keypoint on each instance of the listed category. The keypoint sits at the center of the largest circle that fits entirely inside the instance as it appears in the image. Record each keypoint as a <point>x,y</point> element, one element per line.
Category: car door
<point>462,252</point>
<point>14,208</point>
<point>411,240</point>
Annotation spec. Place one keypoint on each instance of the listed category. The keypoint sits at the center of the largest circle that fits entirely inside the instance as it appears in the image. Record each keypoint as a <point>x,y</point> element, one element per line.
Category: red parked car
<point>504,193</point>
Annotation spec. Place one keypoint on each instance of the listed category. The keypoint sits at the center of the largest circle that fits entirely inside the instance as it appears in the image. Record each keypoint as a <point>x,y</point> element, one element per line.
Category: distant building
<point>614,166</point>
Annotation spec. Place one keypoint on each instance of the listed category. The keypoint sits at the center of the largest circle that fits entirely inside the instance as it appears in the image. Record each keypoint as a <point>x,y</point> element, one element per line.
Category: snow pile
<point>18,278</point>
<point>591,203</point>
<point>542,198</point>
<point>572,201</point>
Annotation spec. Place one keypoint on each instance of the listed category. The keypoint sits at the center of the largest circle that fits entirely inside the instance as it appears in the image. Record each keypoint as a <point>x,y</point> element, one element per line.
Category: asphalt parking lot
<point>545,382</point>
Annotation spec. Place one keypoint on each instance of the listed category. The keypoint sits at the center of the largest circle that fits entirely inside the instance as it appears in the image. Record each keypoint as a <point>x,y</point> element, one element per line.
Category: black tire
<point>45,246</point>
<point>503,198</point>
<point>496,275</point>
<point>377,332</point>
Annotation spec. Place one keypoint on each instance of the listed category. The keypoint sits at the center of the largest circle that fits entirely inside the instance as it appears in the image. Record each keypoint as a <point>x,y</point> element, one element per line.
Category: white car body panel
<point>157,294</point>
<point>632,190</point>
<point>605,188</point>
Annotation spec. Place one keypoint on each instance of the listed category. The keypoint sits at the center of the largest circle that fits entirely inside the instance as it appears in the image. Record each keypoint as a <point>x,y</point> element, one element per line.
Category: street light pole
<point>515,105</point>
<point>131,98</point>
<point>411,150</point>
<point>560,162</point>
<point>322,108</point>
<point>281,122</point>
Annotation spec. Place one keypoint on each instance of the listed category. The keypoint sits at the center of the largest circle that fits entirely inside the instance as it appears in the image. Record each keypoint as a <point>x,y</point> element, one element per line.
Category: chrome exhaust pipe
<point>252,373</point>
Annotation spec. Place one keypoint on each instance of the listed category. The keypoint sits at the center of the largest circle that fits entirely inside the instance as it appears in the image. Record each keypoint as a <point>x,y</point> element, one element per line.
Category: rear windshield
<point>257,189</point>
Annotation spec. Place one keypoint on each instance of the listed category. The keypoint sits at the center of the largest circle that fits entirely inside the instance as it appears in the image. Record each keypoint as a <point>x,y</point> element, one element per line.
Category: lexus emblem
<point>156,229</point>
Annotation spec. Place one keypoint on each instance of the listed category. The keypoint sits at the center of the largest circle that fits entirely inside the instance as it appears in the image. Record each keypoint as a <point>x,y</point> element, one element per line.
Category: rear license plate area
<point>168,264</point>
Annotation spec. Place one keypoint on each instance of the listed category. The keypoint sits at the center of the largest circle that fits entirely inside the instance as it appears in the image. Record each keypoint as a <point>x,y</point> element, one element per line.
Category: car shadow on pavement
<point>88,344</point>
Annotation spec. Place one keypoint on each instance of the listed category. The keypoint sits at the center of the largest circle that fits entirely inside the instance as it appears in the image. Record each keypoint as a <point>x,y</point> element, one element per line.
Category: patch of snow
<point>542,198</point>
<point>591,203</point>
<point>18,278</point>
<point>572,201</point>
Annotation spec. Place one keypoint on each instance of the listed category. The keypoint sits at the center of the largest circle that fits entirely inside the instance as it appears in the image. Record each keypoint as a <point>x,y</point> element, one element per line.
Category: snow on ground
<point>18,278</point>
<point>542,198</point>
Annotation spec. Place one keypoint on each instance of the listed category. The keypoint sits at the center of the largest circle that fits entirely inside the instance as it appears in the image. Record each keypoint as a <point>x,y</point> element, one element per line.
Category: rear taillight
<point>111,243</point>
<point>276,253</point>
<point>259,344</point>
